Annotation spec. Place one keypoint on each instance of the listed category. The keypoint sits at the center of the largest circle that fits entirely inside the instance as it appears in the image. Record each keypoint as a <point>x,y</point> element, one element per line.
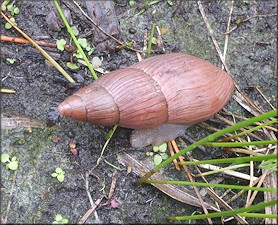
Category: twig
<point>90,211</point>
<point>242,191</point>
<point>93,204</point>
<point>172,153</point>
<point>87,188</point>
<point>226,170</point>
<point>244,151</point>
<point>270,181</point>
<point>191,179</point>
<point>98,27</point>
<point>218,199</point>
<point>177,192</point>
<point>238,95</point>
<point>44,53</point>
<point>7,91</point>
<point>24,41</point>
<point>10,198</point>
<point>249,18</point>
<point>221,202</point>
<point>260,42</point>
<point>113,185</point>
<point>259,90</point>
<point>228,28</point>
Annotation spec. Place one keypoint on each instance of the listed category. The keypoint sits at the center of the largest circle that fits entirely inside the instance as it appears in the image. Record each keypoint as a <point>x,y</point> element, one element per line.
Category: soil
<point>37,197</point>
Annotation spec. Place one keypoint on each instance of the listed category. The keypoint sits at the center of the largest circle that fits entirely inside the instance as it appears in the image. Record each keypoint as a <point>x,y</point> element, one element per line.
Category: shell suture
<point>168,89</point>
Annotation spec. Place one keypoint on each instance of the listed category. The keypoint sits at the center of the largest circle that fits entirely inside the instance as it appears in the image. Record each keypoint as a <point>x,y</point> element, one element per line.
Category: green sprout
<point>11,60</point>
<point>59,174</point>
<point>61,44</point>
<point>59,219</point>
<point>96,61</point>
<point>132,3</point>
<point>11,164</point>
<point>9,26</point>
<point>270,164</point>
<point>170,3</point>
<point>159,153</point>
<point>72,66</point>
<point>74,30</point>
<point>13,9</point>
<point>85,45</point>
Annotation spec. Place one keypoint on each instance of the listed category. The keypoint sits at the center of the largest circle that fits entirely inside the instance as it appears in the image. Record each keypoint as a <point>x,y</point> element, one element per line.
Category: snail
<point>159,97</point>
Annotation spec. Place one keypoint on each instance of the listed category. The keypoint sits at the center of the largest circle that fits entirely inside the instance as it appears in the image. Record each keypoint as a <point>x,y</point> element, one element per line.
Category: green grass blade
<point>75,40</point>
<point>240,144</point>
<point>210,138</point>
<point>226,213</point>
<point>258,215</point>
<point>227,186</point>
<point>225,168</point>
<point>253,129</point>
<point>150,41</point>
<point>231,160</point>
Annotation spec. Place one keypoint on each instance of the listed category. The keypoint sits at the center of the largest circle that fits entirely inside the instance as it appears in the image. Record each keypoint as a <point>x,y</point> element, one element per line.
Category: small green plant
<point>11,164</point>
<point>159,153</point>
<point>96,61</point>
<point>9,26</point>
<point>13,9</point>
<point>132,3</point>
<point>59,174</point>
<point>72,66</point>
<point>74,30</point>
<point>61,44</point>
<point>73,36</point>
<point>85,45</point>
<point>11,60</point>
<point>59,219</point>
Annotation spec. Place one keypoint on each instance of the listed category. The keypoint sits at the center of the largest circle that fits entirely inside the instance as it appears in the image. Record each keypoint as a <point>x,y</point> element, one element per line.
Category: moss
<point>37,160</point>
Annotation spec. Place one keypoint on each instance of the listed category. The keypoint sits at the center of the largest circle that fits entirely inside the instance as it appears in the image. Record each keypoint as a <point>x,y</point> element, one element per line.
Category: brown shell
<point>173,88</point>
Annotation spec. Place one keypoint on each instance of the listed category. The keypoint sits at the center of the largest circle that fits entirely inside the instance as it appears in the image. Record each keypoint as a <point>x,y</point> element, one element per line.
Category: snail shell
<point>175,89</point>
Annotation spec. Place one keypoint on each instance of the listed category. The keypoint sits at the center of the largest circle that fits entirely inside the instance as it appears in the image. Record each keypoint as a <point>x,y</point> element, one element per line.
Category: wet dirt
<point>37,197</point>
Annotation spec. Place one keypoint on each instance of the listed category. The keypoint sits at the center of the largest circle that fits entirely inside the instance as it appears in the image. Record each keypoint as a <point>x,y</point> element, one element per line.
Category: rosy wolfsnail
<point>159,97</point>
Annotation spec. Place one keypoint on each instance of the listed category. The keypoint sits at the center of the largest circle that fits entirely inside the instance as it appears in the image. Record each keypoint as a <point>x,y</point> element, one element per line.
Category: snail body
<point>175,89</point>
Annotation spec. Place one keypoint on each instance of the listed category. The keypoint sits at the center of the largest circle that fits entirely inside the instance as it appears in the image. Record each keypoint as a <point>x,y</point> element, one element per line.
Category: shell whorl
<point>172,88</point>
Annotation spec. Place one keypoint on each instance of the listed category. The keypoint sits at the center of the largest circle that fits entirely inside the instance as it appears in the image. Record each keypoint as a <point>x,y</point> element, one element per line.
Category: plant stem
<point>239,144</point>
<point>258,215</point>
<point>75,40</point>
<point>237,160</point>
<point>226,213</point>
<point>150,41</point>
<point>228,186</point>
<point>252,129</point>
